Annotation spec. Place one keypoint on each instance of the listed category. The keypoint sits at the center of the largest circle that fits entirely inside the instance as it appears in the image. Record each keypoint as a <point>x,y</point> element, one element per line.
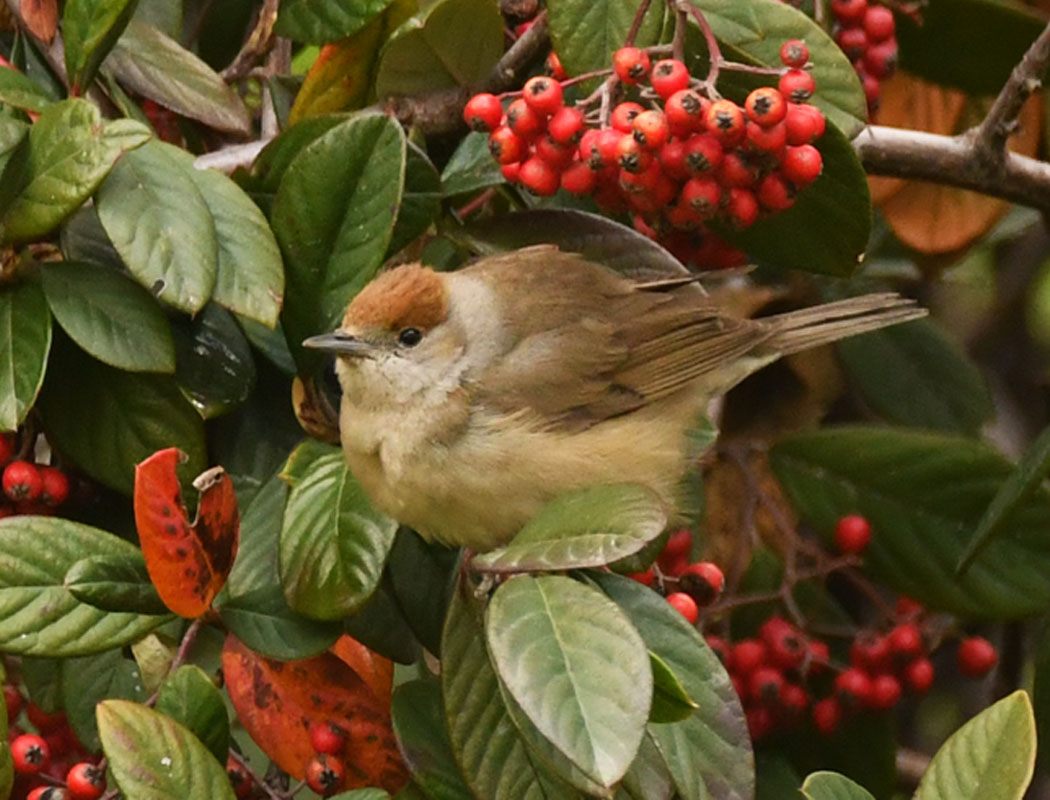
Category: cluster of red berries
<point>28,488</point>
<point>326,772</point>
<point>51,763</point>
<point>867,34</point>
<point>690,586</point>
<point>679,163</point>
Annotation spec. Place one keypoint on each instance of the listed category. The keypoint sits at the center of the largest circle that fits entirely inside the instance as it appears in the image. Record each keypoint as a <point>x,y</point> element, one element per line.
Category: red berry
<point>804,123</point>
<point>794,53</point>
<point>885,692</point>
<point>669,76</point>
<point>523,28</point>
<point>643,227</point>
<point>554,68</point>
<point>870,84</point>
<point>793,701</point>
<point>327,737</point>
<point>678,546</point>
<point>760,722</point>
<point>31,754</point>
<point>775,194</point>
<point>878,23</point>
<point>802,165</point>
<point>43,721</point>
<point>559,156</point>
<point>579,178</point>
<point>725,121</point>
<point>684,605</point>
<point>87,782</point>
<point>827,715</point>
<point>853,42</point>
<point>631,156</point>
<point>907,608</point>
<point>880,60</point>
<point>543,95</point>
<point>622,117</point>
<point>720,647</point>
<point>742,208</point>
<point>685,110</point>
<point>747,655</point>
<point>976,657</point>
<point>7,447</point>
<point>765,684</point>
<point>55,486</point>
<point>906,640</point>
<point>703,195</point>
<point>871,652</point>
<point>539,177</point>
<point>703,153</point>
<point>48,793</point>
<point>505,145</point>
<point>703,581</point>
<point>772,139</point>
<point>852,534</point>
<point>797,85</point>
<point>325,774</point>
<point>22,481</point>
<point>766,106</point>
<point>510,171</point>
<point>683,217</point>
<point>849,10</point>
<point>785,644</point>
<point>483,112</point>
<point>650,129</point>
<point>672,159</point>
<point>524,120</point>
<point>14,701</point>
<point>631,64</point>
<point>566,126</point>
<point>919,675</point>
<point>818,657</point>
<point>648,577</point>
<point>853,687</point>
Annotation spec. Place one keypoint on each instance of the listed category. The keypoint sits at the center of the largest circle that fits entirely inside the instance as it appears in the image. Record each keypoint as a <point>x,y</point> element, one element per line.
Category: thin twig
<point>636,23</point>
<point>243,764</point>
<point>681,21</point>
<point>714,52</point>
<point>257,45</point>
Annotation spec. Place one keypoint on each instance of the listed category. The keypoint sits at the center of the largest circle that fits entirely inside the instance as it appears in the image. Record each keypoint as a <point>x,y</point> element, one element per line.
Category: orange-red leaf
<point>40,17</point>
<point>376,671</point>
<point>277,701</point>
<point>187,562</point>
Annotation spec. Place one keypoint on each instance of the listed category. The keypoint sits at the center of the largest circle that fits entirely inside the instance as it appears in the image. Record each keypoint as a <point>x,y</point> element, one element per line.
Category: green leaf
<point>274,159</point>
<point>71,150</point>
<point>152,756</point>
<point>381,625</point>
<point>190,698</point>
<point>89,680</point>
<point>595,237</point>
<point>21,92</point>
<point>362,794</point>
<point>427,52</point>
<point>471,167</point>
<point>671,701</point>
<point>161,225</point>
<point>109,315</point>
<point>114,583</point>
<point>13,139</point>
<point>1029,474</point>
<point>1041,692</point>
<point>323,21</point>
<point>585,33</point>
<point>648,778</point>
<point>915,375</point>
<point>588,528</point>
<point>38,615</point>
<point>421,575</point>
<point>106,420</point>
<point>775,776</point>
<point>492,754</point>
<point>991,757</point>
<point>421,202</point>
<point>334,215</point>
<point>333,543</point>
<point>25,324</point>
<point>90,28</point>
<point>83,238</point>
<point>832,786</point>
<point>708,754</point>
<point>924,494</point>
<point>419,725</point>
<point>577,668</point>
<point>214,364</point>
<point>156,66</point>
<point>250,276</point>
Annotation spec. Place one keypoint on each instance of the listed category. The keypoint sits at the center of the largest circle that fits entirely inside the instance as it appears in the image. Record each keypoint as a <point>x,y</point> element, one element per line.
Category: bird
<point>472,398</point>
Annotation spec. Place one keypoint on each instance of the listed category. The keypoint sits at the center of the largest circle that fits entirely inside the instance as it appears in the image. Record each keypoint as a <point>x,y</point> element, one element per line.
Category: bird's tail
<point>812,327</point>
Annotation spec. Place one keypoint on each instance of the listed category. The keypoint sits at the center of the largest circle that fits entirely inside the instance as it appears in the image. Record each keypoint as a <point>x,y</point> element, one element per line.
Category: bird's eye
<point>410,337</point>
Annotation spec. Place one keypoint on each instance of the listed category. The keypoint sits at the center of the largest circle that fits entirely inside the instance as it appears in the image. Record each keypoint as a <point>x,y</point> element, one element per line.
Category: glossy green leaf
<point>38,615</point>
<point>471,166</point>
<point>214,364</point>
<point>671,701</point>
<point>381,625</point>
<point>250,275</point>
<point>322,21</point>
<point>89,680</point>
<point>333,544</point>
<point>991,757</point>
<point>362,794</point>
<point>82,238</point>
<point>152,756</point>
<point>419,725</point>
<point>106,420</point>
<point>488,746</point>
<point>334,215</point>
<point>90,28</point>
<point>577,668</point>
<point>421,202</point>
<point>775,776</point>
<point>19,91</point>
<point>161,225</point>
<point>421,576</point>
<point>916,375</point>
<point>708,754</point>
<point>70,151</point>
<point>114,583</point>
<point>109,315</point>
<point>427,52</point>
<point>924,494</point>
<point>25,340</point>
<point>154,655</point>
<point>13,139</point>
<point>648,778</point>
<point>832,786</point>
<point>191,698</point>
<point>274,159</point>
<point>585,33</point>
<point>588,528</point>
<point>154,65</point>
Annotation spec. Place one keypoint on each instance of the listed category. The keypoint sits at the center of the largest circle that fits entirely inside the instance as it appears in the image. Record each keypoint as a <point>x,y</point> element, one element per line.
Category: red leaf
<point>40,17</point>
<point>188,563</point>
<point>376,671</point>
<point>277,701</point>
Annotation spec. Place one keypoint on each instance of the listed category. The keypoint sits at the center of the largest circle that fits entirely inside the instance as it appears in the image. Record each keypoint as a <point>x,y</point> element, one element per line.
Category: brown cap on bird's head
<point>410,296</point>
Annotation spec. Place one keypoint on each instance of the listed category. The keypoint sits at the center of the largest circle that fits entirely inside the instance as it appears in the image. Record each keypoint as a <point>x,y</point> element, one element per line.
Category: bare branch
<point>257,45</point>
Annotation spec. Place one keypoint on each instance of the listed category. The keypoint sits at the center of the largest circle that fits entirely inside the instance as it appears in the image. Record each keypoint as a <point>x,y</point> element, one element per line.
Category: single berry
<point>853,42</point>
<point>846,11</point>
<point>871,652</point>
<point>703,581</point>
<point>725,121</point>
<point>506,146</point>
<point>669,76</point>
<point>685,110</point>
<point>539,177</point>
<point>907,608</point>
<point>827,715</point>
<point>720,647</point>
<point>880,60</point>
<point>31,754</point>
<point>703,195</point>
<point>784,642</point>
<point>650,129</point>
<point>885,692</point>
<point>853,687</point>
<point>870,84</point>
<point>765,685</point>
<point>8,447</point>
<point>672,159</point>
<point>643,227</point>
<point>542,94</point>
<point>852,534</point>
<point>878,23</point>
<point>327,737</point>
<point>579,178</point>
<point>631,156</point>
<point>766,106</point>
<point>54,486</point>
<point>703,153</point>
<point>510,171</point>
<point>483,112</point>
<point>683,217</point>
<point>906,640</point>
<point>794,53</point>
<point>623,114</point>
<point>48,793</point>
<point>794,700</point>
<point>325,774</point>
<point>566,126</point>
<point>742,208</point>
<point>14,701</point>
<point>675,554</point>
<point>553,67</point>
<point>804,123</point>
<point>802,165</point>
<point>976,657</point>
<point>818,656</point>
<point>22,481</point>
<point>525,121</point>
<point>559,156</point>
<point>86,781</point>
<point>747,655</point>
<point>919,675</point>
<point>797,85</point>
<point>771,139</point>
<point>631,64</point>
<point>774,193</point>
<point>760,722</point>
<point>684,605</point>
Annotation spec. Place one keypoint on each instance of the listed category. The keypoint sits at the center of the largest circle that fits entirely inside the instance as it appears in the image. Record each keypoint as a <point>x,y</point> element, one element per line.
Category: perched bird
<point>473,398</point>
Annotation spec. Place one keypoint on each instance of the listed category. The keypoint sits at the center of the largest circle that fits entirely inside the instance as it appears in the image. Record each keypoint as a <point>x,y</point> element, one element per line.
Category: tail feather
<point>823,324</point>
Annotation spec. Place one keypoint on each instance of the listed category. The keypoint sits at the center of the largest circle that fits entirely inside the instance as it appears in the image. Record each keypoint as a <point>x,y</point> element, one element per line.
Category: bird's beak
<point>342,344</point>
